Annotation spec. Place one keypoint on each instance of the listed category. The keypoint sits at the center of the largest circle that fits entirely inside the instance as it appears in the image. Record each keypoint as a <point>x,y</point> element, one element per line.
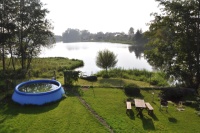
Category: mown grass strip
<point>68,115</point>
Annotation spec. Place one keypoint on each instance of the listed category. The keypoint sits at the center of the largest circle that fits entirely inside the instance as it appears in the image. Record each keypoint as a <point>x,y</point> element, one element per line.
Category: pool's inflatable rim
<point>37,81</point>
<point>40,98</point>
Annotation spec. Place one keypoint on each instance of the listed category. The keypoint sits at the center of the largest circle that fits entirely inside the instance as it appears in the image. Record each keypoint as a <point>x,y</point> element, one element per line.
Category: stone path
<point>100,119</point>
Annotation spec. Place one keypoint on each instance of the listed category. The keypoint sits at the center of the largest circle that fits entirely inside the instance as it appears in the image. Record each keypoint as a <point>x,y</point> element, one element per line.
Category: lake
<point>87,51</point>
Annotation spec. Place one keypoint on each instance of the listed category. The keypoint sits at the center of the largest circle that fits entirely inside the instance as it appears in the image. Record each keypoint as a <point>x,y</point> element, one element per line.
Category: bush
<point>105,76</point>
<point>132,90</point>
<point>176,94</point>
<point>159,79</point>
<point>154,81</point>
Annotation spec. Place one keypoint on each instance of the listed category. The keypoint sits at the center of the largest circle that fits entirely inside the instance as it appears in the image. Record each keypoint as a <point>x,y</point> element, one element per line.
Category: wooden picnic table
<point>140,105</point>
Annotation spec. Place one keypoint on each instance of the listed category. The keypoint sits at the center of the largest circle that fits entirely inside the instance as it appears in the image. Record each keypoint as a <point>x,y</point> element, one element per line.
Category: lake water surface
<point>87,51</point>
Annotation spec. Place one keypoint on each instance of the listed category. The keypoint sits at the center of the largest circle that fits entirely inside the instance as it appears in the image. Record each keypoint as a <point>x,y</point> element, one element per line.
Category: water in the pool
<point>37,87</point>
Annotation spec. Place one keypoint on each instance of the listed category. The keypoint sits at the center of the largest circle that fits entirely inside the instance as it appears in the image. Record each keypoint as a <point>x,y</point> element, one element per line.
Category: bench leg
<point>140,113</point>
<point>127,110</point>
<point>150,112</point>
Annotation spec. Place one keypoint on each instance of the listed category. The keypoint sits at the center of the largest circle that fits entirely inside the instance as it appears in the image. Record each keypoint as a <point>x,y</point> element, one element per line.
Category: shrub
<point>105,76</point>
<point>159,79</point>
<point>35,73</point>
<point>125,76</point>
<point>131,90</point>
<point>176,94</point>
<point>154,81</point>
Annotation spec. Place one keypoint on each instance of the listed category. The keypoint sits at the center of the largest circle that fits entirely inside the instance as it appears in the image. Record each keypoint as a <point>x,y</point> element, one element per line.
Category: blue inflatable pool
<point>38,92</point>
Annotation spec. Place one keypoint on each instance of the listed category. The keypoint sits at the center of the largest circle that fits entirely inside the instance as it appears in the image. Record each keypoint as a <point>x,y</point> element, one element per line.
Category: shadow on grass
<point>154,117</point>
<point>11,109</point>
<point>73,91</point>
<point>148,124</point>
<point>172,119</point>
<point>139,96</point>
<point>113,82</point>
<point>169,116</point>
<point>130,114</point>
<point>192,104</point>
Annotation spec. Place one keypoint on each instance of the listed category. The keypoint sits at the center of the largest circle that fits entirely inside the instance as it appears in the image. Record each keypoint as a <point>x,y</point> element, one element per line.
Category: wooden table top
<point>139,103</point>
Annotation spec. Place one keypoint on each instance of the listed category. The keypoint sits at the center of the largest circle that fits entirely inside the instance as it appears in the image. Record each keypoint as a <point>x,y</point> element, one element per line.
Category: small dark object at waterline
<point>89,78</point>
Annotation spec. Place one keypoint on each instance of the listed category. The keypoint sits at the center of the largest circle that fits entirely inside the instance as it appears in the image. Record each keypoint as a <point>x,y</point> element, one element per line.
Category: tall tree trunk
<point>198,54</point>
<point>11,56</point>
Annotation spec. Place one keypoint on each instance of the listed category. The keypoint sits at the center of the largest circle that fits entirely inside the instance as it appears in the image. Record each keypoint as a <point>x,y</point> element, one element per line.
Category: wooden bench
<point>128,106</point>
<point>149,108</point>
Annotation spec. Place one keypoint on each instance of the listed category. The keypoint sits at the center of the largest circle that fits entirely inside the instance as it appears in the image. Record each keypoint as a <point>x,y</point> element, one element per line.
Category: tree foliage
<point>139,39</point>
<point>106,59</point>
<point>174,41</point>
<point>24,29</point>
<point>76,35</point>
<point>71,35</point>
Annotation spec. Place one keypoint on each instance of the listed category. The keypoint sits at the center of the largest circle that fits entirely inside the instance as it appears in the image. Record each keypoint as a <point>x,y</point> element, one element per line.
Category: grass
<point>110,104</point>
<point>154,78</point>
<point>42,67</point>
<point>68,115</point>
<point>45,67</point>
<point>112,82</point>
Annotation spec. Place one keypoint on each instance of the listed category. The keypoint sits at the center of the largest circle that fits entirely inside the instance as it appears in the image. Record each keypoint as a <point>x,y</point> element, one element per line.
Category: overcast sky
<point>100,15</point>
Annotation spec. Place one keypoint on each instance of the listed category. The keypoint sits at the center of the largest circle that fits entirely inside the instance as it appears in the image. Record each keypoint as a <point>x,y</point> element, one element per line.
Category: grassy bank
<point>45,67</point>
<point>153,78</point>
<point>40,68</point>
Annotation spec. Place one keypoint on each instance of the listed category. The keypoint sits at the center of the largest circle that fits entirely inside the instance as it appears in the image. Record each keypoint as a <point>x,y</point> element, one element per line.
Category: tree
<point>85,35</point>
<point>139,39</point>
<point>174,41</point>
<point>131,33</point>
<point>106,59</point>
<point>7,27</point>
<point>71,35</point>
<point>26,30</point>
<point>99,36</point>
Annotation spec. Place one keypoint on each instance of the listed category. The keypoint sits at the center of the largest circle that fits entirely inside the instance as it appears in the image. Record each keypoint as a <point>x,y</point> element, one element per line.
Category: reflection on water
<point>37,87</point>
<point>128,58</point>
<point>137,50</point>
<point>75,47</point>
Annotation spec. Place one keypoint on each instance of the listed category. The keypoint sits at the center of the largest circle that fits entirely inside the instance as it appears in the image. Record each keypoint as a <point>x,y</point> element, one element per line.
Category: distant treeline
<point>76,35</point>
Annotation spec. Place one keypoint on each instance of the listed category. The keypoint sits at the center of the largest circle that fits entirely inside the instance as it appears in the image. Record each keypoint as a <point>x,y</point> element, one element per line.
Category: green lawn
<point>110,104</point>
<point>69,115</point>
<point>66,116</point>
<point>111,82</point>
